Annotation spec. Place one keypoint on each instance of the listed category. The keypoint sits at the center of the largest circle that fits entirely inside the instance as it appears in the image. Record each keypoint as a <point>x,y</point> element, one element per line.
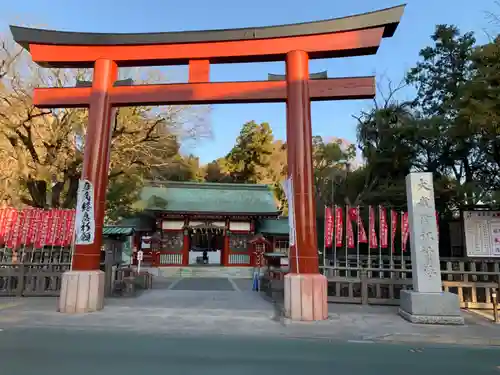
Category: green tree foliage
<point>449,128</point>
<point>251,155</point>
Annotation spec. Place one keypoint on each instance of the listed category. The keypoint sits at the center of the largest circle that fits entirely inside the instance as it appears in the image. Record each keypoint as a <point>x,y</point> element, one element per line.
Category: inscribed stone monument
<point>426,303</point>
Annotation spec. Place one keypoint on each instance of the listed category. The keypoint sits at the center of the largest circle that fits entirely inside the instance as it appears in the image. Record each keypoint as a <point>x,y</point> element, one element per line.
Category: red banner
<point>70,227</point>
<point>405,230</point>
<point>52,231</point>
<point>355,216</point>
<point>371,224</point>
<point>43,229</point>
<point>16,230</point>
<point>394,227</point>
<point>29,214</point>
<point>383,228</point>
<point>3,224</point>
<point>339,226</point>
<point>60,227</point>
<point>36,226</point>
<point>328,227</point>
<point>349,231</point>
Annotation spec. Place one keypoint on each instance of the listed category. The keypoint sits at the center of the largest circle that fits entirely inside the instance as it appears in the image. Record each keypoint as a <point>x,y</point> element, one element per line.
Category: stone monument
<point>426,303</point>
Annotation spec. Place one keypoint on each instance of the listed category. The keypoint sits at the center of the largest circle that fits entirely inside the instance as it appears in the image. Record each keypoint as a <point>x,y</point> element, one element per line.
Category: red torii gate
<point>305,288</point>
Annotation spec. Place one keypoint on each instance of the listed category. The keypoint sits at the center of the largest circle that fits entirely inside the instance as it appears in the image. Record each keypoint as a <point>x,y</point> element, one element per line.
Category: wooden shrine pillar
<point>186,243</point>
<point>305,288</point>
<point>96,162</point>
<point>82,288</point>
<point>299,141</point>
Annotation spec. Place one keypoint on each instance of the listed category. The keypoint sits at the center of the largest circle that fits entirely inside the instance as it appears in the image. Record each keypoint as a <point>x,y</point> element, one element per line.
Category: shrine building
<point>190,224</point>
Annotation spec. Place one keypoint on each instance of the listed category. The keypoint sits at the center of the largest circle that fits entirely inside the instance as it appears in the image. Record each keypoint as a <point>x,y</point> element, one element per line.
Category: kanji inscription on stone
<point>423,233</point>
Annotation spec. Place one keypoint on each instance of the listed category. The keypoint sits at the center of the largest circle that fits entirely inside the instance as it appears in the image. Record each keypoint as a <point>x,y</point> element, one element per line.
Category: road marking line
<point>8,305</point>
<point>172,286</point>
<point>360,342</point>
<point>235,287</point>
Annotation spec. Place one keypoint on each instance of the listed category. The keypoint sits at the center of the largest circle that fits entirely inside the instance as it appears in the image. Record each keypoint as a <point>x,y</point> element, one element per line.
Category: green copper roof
<point>209,198</point>
<point>117,231</point>
<point>273,226</point>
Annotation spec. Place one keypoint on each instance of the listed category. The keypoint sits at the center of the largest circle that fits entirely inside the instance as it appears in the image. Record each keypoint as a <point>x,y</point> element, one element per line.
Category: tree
<point>331,162</point>
<point>216,172</point>
<point>43,149</point>
<point>479,111</point>
<point>440,78</point>
<point>248,159</point>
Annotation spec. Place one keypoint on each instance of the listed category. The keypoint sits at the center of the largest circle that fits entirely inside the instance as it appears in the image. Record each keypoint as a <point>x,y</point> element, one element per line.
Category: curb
<point>438,339</point>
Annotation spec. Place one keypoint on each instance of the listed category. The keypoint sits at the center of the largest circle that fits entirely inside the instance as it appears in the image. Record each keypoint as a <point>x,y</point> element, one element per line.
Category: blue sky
<point>395,55</point>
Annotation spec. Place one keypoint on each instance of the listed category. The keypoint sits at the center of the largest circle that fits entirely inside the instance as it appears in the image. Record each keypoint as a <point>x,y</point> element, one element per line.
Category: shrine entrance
<point>296,44</point>
<point>206,244</point>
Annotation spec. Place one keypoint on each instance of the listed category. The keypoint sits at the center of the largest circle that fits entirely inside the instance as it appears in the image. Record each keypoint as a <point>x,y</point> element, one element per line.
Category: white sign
<point>482,233</point>
<point>288,189</point>
<point>284,262</point>
<point>85,220</point>
<point>140,255</point>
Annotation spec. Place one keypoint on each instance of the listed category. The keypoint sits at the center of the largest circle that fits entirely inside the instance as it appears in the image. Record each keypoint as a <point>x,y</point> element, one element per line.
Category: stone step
<point>200,271</point>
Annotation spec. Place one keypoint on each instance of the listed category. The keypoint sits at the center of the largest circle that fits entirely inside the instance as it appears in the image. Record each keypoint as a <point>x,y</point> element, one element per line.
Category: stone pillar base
<point>430,308</point>
<point>82,292</point>
<point>306,297</point>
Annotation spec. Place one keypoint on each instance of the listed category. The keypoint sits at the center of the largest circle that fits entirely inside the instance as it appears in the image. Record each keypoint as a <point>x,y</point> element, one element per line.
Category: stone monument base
<point>430,308</point>
<point>81,292</point>
<point>306,297</point>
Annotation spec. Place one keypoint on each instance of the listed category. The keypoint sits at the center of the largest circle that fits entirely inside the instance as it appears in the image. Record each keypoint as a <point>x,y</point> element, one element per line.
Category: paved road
<point>57,352</point>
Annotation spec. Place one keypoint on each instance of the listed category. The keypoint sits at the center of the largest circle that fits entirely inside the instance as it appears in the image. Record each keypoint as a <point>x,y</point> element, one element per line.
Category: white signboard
<point>140,257</point>
<point>482,233</point>
<point>85,220</point>
<point>288,189</point>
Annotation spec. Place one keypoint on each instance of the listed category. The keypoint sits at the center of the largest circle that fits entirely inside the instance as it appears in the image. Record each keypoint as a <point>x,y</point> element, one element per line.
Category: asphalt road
<point>58,351</point>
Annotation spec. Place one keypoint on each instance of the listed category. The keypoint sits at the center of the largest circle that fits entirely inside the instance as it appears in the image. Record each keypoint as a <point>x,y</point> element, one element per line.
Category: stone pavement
<point>180,307</point>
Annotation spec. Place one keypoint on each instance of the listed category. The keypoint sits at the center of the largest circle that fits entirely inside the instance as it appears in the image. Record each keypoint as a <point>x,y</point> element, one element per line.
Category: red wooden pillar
<point>96,158</point>
<point>225,251</point>
<point>299,141</point>
<point>186,244</point>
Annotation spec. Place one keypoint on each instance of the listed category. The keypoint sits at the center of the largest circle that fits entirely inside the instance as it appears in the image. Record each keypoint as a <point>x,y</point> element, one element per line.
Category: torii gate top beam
<point>348,36</point>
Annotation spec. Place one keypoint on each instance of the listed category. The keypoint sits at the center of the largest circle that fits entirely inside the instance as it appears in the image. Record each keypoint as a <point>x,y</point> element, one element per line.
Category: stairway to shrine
<point>204,272</point>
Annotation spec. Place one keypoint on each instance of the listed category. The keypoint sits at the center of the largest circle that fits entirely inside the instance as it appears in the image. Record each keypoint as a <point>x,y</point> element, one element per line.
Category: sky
<point>329,119</point>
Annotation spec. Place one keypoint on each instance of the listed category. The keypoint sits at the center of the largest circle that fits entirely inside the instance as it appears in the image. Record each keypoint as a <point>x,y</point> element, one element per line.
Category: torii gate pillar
<point>82,288</point>
<point>305,288</point>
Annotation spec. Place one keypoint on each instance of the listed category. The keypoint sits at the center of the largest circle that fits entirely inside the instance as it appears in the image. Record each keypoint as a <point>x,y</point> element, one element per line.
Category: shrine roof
<point>388,18</point>
<point>111,230</point>
<point>209,198</point>
<point>273,226</point>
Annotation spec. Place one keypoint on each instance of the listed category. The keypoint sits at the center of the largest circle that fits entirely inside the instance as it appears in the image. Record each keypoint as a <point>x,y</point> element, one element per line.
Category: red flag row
<point>36,227</point>
<point>334,226</point>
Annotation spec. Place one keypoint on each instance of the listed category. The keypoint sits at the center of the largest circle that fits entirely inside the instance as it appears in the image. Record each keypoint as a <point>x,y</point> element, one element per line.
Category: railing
<point>31,279</point>
<point>170,258</point>
<point>243,259</point>
<point>354,285</point>
<point>382,286</point>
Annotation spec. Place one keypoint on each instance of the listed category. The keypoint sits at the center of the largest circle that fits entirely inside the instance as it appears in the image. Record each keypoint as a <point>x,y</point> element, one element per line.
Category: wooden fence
<point>474,281</point>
